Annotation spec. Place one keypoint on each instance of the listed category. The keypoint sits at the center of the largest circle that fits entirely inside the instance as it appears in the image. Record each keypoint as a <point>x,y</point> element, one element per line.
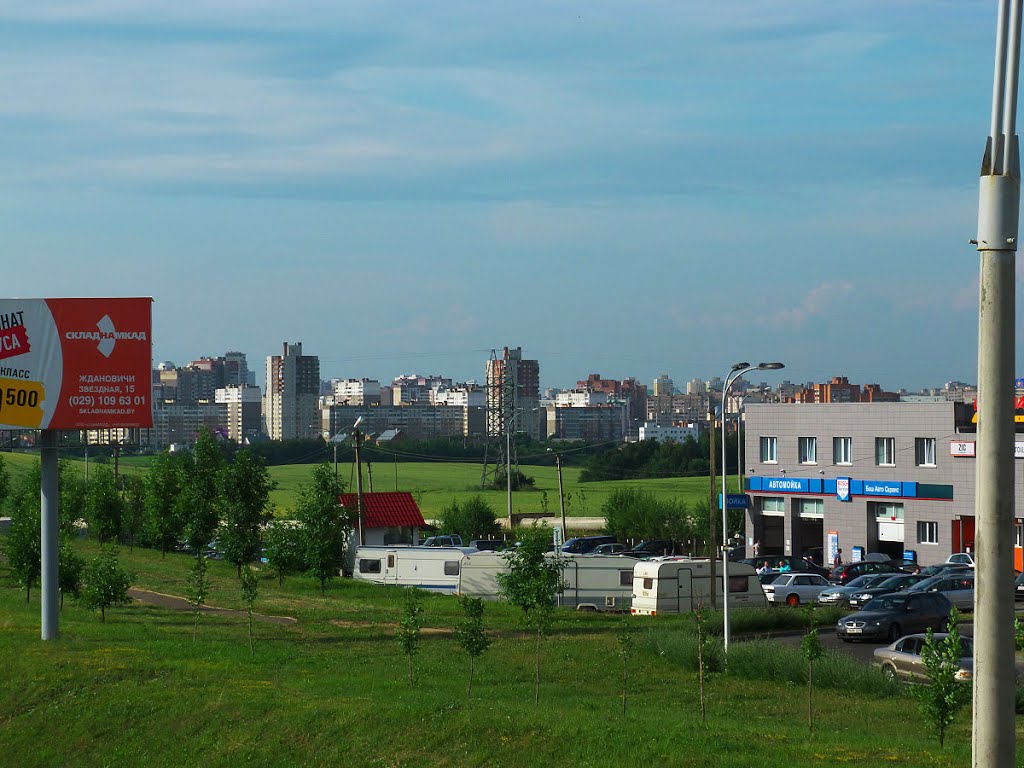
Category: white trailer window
<point>369,566</point>
<point>625,578</point>
<point>451,567</point>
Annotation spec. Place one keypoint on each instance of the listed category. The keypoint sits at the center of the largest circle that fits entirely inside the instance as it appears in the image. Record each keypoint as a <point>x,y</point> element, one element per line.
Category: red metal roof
<point>386,509</point>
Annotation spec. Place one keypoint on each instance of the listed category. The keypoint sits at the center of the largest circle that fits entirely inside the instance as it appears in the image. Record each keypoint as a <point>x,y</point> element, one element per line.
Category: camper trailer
<point>435,569</point>
<point>678,585</point>
<point>592,582</point>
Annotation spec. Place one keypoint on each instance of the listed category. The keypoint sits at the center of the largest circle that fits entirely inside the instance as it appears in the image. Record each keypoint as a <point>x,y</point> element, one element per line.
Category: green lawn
<point>435,484</point>
<point>332,690</point>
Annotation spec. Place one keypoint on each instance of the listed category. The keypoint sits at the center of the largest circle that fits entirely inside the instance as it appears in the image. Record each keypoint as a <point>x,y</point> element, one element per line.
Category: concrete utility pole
<point>993,734</point>
<point>358,441</point>
<point>561,495</point>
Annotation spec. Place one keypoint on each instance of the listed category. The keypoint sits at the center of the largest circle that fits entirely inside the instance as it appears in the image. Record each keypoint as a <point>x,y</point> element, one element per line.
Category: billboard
<point>75,363</point>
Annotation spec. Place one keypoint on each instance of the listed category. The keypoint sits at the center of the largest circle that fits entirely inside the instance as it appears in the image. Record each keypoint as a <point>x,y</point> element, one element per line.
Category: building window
<point>773,505</point>
<point>924,451</point>
<point>842,450</point>
<point>811,508</point>
<point>808,450</point>
<point>1018,531</point>
<point>927,533</point>
<point>885,451</point>
<point>770,450</point>
<point>888,513</point>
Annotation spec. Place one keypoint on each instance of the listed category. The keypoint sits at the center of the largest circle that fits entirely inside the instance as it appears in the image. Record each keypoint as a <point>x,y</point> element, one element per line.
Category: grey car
<point>957,587</point>
<point>840,595</point>
<point>795,588</point>
<point>902,660</point>
<point>889,617</point>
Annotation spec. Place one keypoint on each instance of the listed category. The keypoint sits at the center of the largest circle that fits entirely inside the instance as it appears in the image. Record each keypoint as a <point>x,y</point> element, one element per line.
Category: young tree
<point>409,628</point>
<point>133,517</point>
<point>247,486</point>
<point>106,584</point>
<point>325,524</point>
<point>474,518</point>
<point>532,583</point>
<point>625,638</point>
<point>283,545</point>
<point>23,547</point>
<point>196,589</point>
<point>812,650</point>
<point>103,505</point>
<point>250,585</point>
<point>71,570</point>
<point>201,498</point>
<point>164,522</point>
<point>470,633</point>
<point>73,490</point>
<point>946,695</point>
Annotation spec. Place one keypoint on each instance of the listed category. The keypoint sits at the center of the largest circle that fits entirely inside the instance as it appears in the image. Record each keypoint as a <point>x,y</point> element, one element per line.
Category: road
<point>863,652</point>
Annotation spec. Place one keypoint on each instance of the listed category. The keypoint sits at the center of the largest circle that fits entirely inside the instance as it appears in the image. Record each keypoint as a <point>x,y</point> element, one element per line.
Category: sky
<point>627,188</point>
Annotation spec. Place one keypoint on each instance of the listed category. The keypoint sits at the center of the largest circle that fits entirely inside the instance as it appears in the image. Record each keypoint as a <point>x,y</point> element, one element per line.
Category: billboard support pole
<point>49,503</point>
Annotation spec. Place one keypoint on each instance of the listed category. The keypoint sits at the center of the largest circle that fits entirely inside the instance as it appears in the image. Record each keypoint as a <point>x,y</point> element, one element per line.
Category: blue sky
<point>630,188</point>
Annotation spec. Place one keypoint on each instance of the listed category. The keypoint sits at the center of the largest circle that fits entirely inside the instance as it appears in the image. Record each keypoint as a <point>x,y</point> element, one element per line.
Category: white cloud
<point>817,302</point>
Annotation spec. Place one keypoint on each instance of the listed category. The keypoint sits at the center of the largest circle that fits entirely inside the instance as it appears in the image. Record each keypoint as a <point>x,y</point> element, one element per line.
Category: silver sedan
<point>795,588</point>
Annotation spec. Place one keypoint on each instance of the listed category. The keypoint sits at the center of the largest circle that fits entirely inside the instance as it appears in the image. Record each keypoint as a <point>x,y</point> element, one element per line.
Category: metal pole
<point>359,486</point>
<point>993,730</point>
<point>335,460</point>
<point>725,526</point>
<point>561,496</point>
<point>508,467</point>
<point>49,499</point>
<point>712,534</point>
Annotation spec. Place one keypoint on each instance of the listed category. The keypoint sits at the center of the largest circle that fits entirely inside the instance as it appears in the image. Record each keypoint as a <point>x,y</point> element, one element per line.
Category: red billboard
<point>75,363</point>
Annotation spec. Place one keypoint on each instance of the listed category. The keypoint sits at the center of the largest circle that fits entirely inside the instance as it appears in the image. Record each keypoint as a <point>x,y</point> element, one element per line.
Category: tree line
<point>658,458</point>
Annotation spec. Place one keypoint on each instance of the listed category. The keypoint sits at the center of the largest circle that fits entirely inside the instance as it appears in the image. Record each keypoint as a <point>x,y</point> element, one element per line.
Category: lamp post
<point>735,373</point>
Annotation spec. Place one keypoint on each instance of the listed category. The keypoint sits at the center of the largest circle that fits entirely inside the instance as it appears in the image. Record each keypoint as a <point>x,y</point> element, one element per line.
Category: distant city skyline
<point>622,189</point>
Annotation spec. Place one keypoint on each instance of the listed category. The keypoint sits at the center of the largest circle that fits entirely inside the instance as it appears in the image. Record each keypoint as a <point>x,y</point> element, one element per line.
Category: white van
<point>678,585</point>
<point>435,569</point>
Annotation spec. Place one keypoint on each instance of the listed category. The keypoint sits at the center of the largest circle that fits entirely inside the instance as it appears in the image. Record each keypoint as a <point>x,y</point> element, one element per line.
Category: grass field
<point>332,689</point>
<point>436,484</point>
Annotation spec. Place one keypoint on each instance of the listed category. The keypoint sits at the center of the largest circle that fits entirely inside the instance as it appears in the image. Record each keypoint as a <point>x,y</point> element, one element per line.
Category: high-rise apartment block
<point>291,403</point>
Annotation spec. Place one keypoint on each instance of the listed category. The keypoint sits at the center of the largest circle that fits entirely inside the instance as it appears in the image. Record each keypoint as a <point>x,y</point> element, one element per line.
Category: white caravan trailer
<point>592,582</point>
<point>435,569</point>
<point>678,585</point>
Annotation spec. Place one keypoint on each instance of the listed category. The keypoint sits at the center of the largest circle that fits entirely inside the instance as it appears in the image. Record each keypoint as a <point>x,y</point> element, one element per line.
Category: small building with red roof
<point>389,517</point>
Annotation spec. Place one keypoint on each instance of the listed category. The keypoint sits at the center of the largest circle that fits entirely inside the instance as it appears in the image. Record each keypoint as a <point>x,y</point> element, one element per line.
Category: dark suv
<point>843,573</point>
<point>581,545</point>
<point>652,548</point>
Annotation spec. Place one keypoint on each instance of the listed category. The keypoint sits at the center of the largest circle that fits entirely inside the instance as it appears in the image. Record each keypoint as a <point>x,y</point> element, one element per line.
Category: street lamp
<point>734,374</point>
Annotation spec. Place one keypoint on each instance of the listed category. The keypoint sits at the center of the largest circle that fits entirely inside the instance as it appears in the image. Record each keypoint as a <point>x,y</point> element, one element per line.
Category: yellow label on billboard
<point>21,403</point>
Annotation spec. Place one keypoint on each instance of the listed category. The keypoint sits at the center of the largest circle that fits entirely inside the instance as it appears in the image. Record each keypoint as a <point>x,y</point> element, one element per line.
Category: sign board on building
<point>735,501</point>
<point>843,488</point>
<point>75,363</point>
<point>962,449</point>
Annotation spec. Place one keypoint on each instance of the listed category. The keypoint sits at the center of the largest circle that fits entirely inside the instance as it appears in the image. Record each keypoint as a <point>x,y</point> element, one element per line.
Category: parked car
<point>794,563</point>
<point>446,540</point>
<point>839,594</point>
<point>958,587</point>
<point>961,558</point>
<point>935,570</point>
<point>848,571</point>
<point>488,545</point>
<point>902,660</point>
<point>652,548</point>
<point>609,549</point>
<point>882,585</point>
<point>1019,581</point>
<point>889,617</point>
<point>795,588</point>
<point>581,545</point>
